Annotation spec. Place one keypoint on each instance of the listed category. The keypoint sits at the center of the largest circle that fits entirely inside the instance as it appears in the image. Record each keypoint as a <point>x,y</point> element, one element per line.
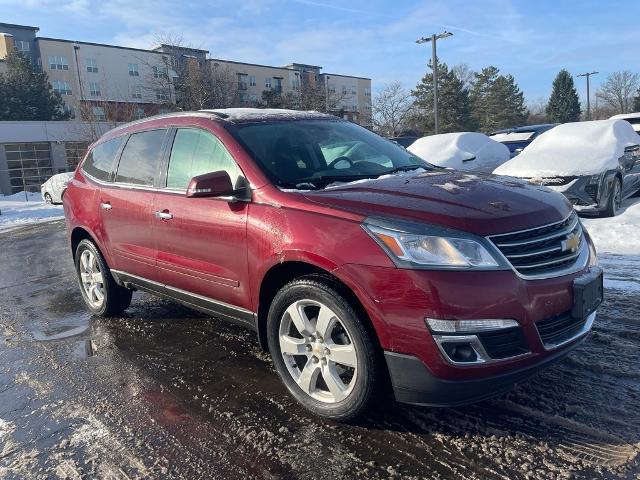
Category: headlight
<point>432,250</point>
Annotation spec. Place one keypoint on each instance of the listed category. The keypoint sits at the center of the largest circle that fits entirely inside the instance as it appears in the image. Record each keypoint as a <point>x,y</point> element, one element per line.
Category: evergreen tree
<point>454,109</point>
<point>25,93</point>
<point>497,101</point>
<point>564,105</point>
<point>636,102</point>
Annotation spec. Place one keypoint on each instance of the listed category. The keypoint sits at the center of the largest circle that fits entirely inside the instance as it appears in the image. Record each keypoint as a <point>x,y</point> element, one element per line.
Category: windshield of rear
<point>308,154</point>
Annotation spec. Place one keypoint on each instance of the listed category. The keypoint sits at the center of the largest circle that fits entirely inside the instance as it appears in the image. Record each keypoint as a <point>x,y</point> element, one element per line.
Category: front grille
<point>543,250</point>
<point>556,330</point>
<point>505,343</point>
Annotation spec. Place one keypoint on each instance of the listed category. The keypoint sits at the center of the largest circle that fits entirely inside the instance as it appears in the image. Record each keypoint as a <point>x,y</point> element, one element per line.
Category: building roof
<point>99,45</point>
<point>343,76</point>
<point>215,60</point>
<point>178,47</point>
<point>20,27</point>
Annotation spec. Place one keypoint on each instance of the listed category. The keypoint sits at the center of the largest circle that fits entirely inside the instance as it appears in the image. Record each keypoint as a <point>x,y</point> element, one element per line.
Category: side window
<point>99,161</point>
<point>140,160</point>
<point>194,153</point>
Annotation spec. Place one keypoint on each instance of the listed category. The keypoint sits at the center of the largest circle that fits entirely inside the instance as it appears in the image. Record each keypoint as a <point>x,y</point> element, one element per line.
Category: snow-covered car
<point>594,164</point>
<point>474,152</point>
<point>518,138</point>
<point>53,189</point>
<point>632,118</point>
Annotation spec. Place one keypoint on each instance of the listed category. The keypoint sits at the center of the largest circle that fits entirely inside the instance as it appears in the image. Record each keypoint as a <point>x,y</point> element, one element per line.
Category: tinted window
<point>196,152</point>
<point>99,161</point>
<point>140,158</point>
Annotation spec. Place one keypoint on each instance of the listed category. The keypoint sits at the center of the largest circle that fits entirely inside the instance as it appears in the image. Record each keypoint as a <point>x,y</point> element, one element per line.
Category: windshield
<point>313,153</point>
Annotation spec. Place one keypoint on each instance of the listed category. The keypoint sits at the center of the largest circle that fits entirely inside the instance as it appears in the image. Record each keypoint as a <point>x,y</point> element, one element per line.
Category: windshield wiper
<point>404,168</point>
<point>316,182</point>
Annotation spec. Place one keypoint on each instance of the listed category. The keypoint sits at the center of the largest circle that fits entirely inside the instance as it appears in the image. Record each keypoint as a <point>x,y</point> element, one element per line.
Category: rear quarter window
<point>99,161</point>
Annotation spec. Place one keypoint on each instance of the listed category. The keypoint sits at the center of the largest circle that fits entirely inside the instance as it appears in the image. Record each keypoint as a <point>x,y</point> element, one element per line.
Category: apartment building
<point>117,83</point>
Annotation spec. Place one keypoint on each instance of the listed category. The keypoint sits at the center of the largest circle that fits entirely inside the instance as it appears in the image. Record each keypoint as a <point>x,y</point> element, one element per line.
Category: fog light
<point>460,352</point>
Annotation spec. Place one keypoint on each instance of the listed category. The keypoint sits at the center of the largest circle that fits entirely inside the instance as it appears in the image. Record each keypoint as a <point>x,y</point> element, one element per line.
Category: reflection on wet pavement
<point>166,392</point>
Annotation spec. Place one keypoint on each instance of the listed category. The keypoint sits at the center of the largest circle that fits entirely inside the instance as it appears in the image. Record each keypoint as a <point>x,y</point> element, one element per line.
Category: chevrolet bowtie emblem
<point>571,243</point>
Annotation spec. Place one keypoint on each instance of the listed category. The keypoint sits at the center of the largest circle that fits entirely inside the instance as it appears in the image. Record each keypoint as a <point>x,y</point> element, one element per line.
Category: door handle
<point>106,206</point>
<point>164,215</point>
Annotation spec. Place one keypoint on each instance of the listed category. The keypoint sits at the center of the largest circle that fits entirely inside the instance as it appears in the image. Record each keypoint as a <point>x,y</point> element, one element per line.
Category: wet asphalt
<point>167,392</point>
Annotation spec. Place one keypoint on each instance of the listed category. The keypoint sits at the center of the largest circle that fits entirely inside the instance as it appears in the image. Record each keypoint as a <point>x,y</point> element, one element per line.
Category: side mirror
<point>469,159</point>
<point>215,184</point>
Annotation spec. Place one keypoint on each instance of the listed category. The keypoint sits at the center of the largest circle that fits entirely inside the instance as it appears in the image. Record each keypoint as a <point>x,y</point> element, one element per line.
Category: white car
<point>632,118</point>
<point>470,151</point>
<point>53,189</point>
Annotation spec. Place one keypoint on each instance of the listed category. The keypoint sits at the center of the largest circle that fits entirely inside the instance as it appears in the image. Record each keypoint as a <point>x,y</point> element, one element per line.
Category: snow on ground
<point>617,240</point>
<point>16,210</point>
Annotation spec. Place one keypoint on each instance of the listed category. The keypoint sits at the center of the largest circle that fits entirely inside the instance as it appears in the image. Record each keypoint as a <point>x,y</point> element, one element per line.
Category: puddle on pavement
<point>83,349</point>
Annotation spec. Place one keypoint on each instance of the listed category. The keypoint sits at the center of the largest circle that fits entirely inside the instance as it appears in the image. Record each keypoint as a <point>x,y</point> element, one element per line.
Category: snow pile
<point>579,148</point>
<point>619,234</point>
<point>452,149</point>
<point>17,211</point>
<point>632,118</point>
<point>511,136</point>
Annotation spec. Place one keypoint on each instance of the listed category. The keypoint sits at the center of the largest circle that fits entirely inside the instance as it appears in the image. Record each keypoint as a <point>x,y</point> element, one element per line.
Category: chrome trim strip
<point>536,228</point>
<point>559,233</point>
<point>185,293</point>
<point>585,329</point>
<point>550,262</point>
<point>534,253</point>
<point>475,343</point>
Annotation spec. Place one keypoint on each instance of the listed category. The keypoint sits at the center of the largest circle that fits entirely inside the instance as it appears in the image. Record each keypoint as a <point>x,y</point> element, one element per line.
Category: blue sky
<point>374,38</point>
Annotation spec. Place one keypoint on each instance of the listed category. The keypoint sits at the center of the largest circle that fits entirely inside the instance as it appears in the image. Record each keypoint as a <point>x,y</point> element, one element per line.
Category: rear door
<point>202,241</point>
<point>127,204</point>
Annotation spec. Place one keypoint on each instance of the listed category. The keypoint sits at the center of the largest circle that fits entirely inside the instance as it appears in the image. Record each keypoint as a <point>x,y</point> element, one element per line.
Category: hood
<point>483,205</point>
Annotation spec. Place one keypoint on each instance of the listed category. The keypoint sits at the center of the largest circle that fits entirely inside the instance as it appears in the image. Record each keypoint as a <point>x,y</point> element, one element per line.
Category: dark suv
<point>352,271</point>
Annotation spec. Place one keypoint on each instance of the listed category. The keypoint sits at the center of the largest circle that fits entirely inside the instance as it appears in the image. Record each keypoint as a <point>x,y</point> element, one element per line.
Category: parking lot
<point>166,392</point>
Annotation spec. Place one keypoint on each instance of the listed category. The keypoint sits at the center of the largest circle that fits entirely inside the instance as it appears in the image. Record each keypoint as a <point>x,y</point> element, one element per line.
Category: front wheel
<point>615,199</point>
<point>322,350</point>
<point>101,293</point>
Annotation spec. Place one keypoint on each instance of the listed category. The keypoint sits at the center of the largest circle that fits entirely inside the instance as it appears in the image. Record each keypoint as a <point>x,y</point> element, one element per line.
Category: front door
<point>201,241</point>
<point>126,205</point>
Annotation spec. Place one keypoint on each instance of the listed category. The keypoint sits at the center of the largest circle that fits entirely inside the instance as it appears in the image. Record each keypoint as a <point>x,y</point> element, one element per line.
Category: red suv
<point>357,263</point>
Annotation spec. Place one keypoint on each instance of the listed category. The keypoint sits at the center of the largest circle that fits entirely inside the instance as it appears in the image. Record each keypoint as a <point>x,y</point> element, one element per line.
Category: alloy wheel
<point>91,278</point>
<point>318,351</point>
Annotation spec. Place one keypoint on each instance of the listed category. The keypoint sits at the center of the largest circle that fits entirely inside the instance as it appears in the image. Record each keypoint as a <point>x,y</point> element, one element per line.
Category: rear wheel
<point>101,293</point>
<point>321,349</point>
<point>615,199</point>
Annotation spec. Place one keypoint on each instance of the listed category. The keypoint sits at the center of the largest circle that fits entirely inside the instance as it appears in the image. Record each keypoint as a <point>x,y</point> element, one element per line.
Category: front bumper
<point>413,383</point>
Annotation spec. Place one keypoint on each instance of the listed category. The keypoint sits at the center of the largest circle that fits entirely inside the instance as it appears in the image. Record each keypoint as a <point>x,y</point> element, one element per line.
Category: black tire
<point>368,378</point>
<point>614,200</point>
<point>116,298</point>
<point>48,199</point>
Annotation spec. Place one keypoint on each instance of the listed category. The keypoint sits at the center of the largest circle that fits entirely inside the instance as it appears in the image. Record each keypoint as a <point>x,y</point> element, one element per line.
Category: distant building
<point>108,82</point>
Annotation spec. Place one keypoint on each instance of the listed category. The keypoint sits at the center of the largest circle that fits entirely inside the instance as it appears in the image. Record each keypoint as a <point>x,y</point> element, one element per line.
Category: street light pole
<point>587,75</point>
<point>434,61</point>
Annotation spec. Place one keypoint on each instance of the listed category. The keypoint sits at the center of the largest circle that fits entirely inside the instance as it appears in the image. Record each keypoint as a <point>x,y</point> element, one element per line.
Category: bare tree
<point>391,109</point>
<point>618,90</point>
<point>464,74</point>
<point>537,111</point>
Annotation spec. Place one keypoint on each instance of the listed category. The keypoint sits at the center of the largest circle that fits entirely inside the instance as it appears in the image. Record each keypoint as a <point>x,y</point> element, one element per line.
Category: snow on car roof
<point>263,114</point>
<point>453,149</point>
<point>626,115</point>
<point>578,148</point>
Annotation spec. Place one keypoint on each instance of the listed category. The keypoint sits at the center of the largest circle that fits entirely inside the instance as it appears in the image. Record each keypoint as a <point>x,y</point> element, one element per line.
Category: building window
<point>367,92</point>
<point>242,81</point>
<point>94,89</point>
<point>58,63</point>
<point>160,72</point>
<point>28,165</point>
<point>92,65</point>
<point>74,152</point>
<point>139,113</point>
<point>295,83</point>
<point>133,70</point>
<point>277,85</point>
<point>354,90</point>
<point>136,91</point>
<point>267,82</point>
<point>354,108</point>
<point>331,88</point>
<point>22,46</point>
<point>61,87</point>
<point>252,80</point>
<point>98,114</point>
<point>161,94</point>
